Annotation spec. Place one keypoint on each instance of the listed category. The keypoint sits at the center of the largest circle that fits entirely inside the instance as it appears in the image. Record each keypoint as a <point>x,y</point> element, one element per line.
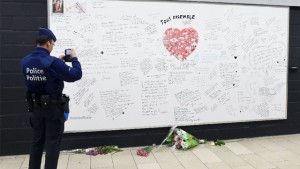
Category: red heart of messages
<point>180,43</point>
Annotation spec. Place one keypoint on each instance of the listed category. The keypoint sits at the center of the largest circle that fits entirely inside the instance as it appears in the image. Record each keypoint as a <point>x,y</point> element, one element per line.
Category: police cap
<point>47,32</point>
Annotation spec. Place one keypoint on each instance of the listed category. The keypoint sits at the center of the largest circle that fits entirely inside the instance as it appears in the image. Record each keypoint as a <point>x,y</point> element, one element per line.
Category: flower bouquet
<point>144,151</point>
<point>91,152</point>
<point>217,143</point>
<point>101,150</point>
<point>182,140</point>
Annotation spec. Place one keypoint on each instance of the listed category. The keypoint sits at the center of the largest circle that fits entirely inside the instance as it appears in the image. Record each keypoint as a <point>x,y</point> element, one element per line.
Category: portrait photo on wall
<point>58,6</point>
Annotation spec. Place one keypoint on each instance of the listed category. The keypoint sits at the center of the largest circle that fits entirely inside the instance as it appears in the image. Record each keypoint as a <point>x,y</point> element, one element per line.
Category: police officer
<point>44,77</point>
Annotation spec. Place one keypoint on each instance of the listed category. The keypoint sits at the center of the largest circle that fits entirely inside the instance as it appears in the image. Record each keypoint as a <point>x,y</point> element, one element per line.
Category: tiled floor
<point>278,152</point>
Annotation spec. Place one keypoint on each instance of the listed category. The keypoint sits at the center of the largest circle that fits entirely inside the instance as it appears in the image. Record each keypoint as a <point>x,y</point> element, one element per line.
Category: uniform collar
<point>40,49</point>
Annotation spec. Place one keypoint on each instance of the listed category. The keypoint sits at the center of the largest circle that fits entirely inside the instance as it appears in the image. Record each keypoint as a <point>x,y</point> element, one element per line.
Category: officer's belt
<point>52,98</point>
<point>43,100</point>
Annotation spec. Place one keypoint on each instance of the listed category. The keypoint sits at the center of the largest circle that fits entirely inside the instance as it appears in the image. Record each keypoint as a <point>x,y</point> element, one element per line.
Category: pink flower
<point>141,152</point>
<point>144,151</point>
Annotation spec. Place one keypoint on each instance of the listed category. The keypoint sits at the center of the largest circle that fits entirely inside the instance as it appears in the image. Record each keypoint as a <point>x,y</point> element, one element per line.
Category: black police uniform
<point>44,76</point>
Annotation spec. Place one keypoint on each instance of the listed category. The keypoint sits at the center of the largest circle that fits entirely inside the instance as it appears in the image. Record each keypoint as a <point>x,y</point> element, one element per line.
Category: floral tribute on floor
<point>144,151</point>
<point>217,143</point>
<point>176,138</point>
<point>102,150</point>
<point>181,140</point>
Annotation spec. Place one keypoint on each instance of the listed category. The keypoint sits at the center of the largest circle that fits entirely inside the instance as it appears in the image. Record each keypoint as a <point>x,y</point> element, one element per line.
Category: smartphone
<point>68,55</point>
<point>67,52</point>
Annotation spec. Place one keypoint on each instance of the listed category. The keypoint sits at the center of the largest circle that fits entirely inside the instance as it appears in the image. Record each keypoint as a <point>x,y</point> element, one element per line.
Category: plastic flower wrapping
<point>182,140</point>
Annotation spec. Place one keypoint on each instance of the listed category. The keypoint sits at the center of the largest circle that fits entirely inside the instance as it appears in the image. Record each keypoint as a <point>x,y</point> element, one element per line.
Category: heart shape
<point>180,43</point>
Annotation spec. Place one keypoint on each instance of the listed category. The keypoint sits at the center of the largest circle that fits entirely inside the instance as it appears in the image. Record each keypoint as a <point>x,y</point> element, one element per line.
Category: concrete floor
<point>278,152</point>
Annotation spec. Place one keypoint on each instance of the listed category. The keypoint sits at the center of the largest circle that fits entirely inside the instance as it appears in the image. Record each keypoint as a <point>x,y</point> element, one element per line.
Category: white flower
<point>89,149</point>
<point>183,144</point>
<point>177,137</point>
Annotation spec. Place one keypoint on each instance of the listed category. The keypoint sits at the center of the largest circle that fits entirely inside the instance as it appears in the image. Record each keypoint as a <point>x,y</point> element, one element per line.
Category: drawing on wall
<point>180,43</point>
<point>193,64</point>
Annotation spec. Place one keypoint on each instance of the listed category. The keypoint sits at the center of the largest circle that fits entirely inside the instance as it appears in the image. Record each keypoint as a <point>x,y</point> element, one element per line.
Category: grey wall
<point>19,22</point>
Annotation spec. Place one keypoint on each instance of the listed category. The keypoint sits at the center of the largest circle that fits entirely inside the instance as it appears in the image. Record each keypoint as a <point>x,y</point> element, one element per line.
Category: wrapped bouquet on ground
<point>217,143</point>
<point>182,140</point>
<point>144,151</point>
<point>102,150</point>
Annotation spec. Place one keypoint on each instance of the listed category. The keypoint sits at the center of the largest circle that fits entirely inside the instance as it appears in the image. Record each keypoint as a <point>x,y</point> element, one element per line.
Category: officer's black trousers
<point>46,133</point>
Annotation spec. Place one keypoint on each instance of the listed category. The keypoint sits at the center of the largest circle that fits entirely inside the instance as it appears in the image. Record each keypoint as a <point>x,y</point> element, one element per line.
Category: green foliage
<point>148,149</point>
<point>107,149</point>
<point>79,151</point>
<point>219,142</point>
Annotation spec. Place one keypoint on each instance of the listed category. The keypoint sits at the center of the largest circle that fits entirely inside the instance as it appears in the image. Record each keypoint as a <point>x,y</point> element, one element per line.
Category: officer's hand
<point>73,54</point>
<point>62,57</point>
